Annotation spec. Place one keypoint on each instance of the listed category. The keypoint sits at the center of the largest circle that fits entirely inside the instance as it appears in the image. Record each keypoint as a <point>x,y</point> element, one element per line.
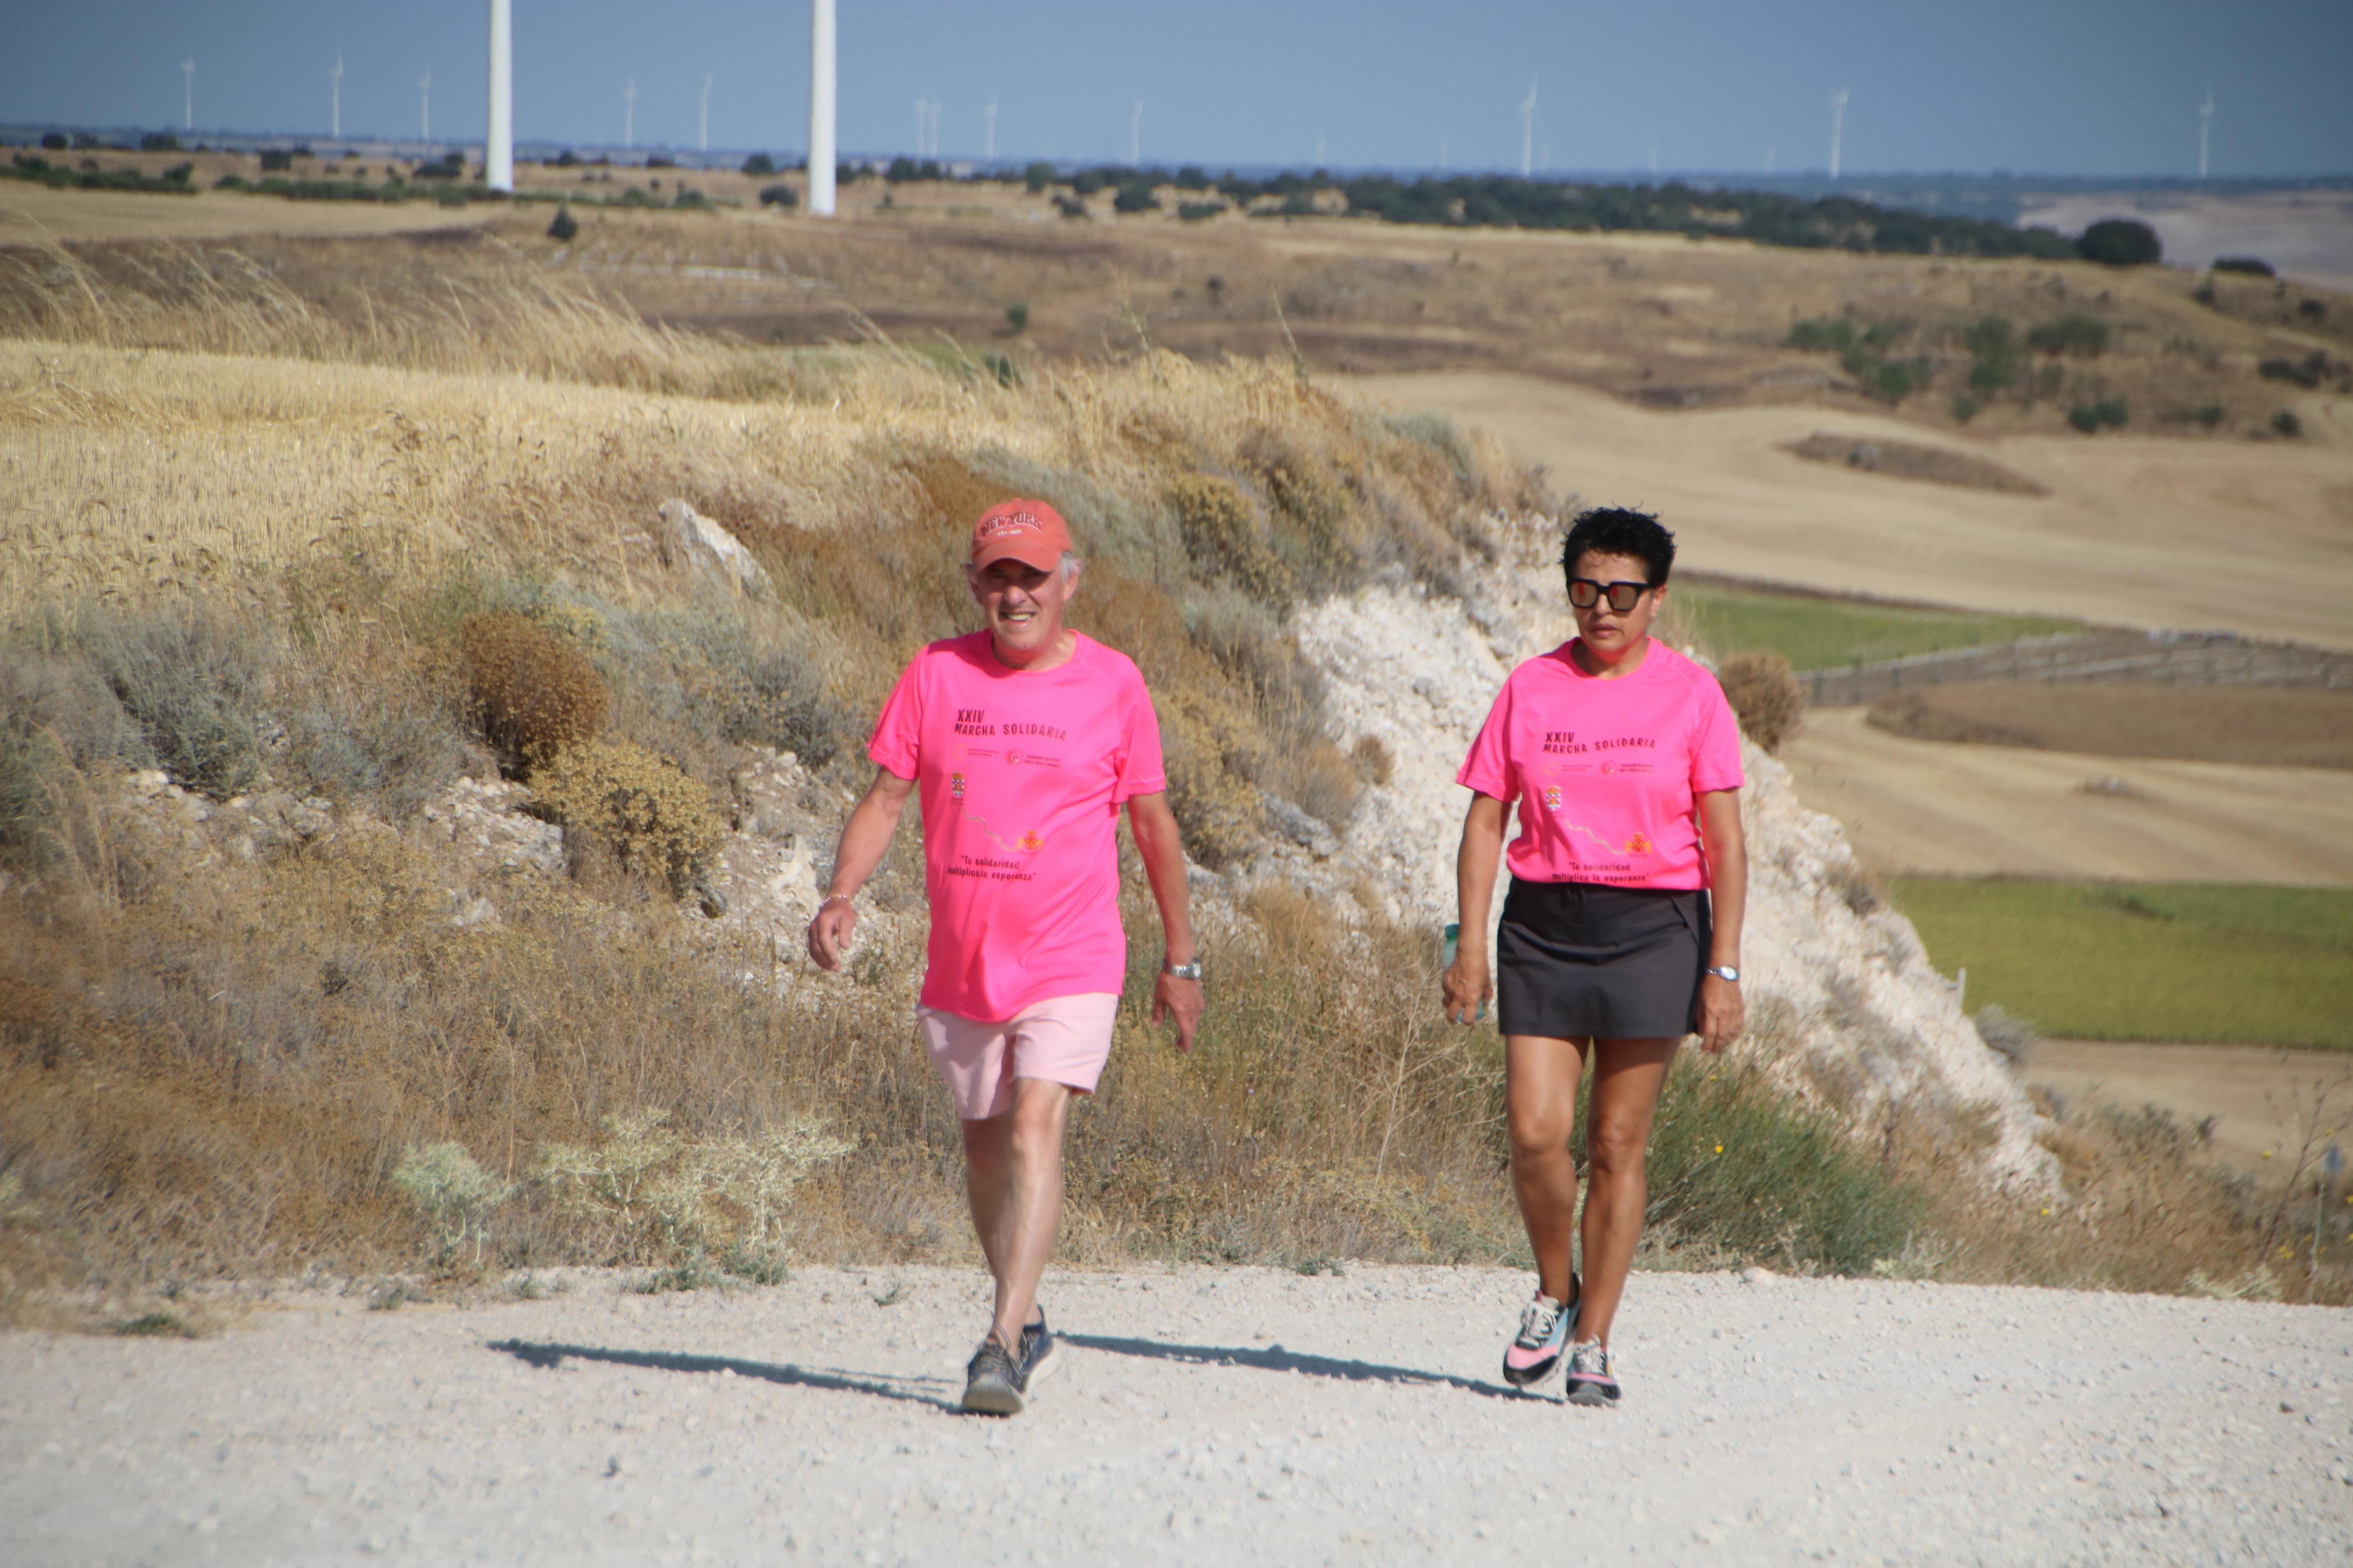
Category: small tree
<point>759,163</point>
<point>1134,198</point>
<point>56,142</point>
<point>565,227</point>
<point>2120,242</point>
<point>783,196</point>
<point>1037,176</point>
<point>1016,315</point>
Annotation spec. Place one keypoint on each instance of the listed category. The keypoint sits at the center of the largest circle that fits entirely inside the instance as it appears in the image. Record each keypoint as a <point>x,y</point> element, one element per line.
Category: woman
<point>1622,932</point>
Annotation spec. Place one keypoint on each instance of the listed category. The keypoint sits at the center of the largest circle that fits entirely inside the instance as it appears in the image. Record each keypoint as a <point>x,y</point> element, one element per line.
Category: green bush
<point>1965,408</point>
<point>565,227</point>
<point>1037,176</point>
<point>56,142</point>
<point>190,684</point>
<point>2253,266</point>
<point>276,160</point>
<point>2121,242</point>
<point>159,142</point>
<point>783,196</point>
<point>1134,198</point>
<point>2079,335</point>
<point>2209,415</point>
<point>1070,207</point>
<point>1016,315</point>
<point>1834,334</point>
<point>2285,423</point>
<point>2107,412</point>
<point>759,164</point>
<point>1193,212</point>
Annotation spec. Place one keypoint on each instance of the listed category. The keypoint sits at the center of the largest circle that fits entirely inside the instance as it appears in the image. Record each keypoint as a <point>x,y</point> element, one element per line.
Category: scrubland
<point>258,531</point>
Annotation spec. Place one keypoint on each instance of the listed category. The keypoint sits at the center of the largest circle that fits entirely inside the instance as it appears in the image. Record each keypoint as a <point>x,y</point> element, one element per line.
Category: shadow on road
<point>881,1385</point>
<point>1280,1360</point>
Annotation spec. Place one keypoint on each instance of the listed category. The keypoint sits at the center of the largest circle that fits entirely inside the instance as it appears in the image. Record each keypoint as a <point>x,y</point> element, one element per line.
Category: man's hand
<point>829,934</point>
<point>1183,1001</point>
<point>1721,1013</point>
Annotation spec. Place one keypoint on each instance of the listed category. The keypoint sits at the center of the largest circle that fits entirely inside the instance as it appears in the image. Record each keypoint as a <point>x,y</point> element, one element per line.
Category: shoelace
<point>1537,1322</point>
<point>1588,1359</point>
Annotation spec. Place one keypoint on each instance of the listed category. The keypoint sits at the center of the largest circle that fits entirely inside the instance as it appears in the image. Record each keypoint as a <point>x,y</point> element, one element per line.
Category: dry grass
<point>2257,724</point>
<point>1765,694</point>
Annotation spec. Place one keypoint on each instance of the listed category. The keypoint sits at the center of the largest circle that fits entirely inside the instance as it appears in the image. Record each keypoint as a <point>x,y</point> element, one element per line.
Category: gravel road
<point>1202,1415</point>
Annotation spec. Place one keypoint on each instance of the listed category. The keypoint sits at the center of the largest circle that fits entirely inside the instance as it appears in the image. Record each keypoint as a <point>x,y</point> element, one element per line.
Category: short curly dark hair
<point>1620,530</point>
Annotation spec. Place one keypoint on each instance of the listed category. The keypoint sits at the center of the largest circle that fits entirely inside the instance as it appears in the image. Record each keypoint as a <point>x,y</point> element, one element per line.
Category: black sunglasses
<point>1583,592</point>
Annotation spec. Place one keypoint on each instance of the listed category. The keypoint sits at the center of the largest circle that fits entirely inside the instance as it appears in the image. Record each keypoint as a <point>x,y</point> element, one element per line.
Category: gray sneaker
<point>1590,1379</point>
<point>995,1383</point>
<point>1038,1353</point>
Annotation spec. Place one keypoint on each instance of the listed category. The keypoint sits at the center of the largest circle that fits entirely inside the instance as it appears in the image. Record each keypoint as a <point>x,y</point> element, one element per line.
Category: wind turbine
<point>188,91</point>
<point>1135,136</point>
<point>2205,125</point>
<point>705,139</point>
<point>335,104</point>
<point>988,119</point>
<point>498,147</point>
<point>822,81</point>
<point>629,112</point>
<point>1528,129</point>
<point>425,104</point>
<point>1838,128</point>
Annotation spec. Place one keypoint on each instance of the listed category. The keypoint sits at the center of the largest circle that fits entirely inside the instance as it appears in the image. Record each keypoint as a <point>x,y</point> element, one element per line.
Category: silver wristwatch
<point>1182,971</point>
<point>1725,972</point>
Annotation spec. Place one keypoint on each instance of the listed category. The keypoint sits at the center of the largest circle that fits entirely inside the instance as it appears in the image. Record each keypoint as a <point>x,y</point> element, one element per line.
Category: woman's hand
<point>1721,1013</point>
<point>829,934</point>
<point>1467,986</point>
<point>1182,1000</point>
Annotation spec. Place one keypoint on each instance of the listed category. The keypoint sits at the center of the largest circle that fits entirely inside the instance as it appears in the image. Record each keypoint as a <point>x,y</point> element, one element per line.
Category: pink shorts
<point>1063,1039</point>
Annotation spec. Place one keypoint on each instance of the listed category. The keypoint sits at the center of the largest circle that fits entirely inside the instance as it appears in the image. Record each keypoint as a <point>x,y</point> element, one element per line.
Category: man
<point>1024,739</point>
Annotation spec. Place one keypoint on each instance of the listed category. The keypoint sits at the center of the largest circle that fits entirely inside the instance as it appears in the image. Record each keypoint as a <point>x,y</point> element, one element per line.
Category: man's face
<point>1023,604</point>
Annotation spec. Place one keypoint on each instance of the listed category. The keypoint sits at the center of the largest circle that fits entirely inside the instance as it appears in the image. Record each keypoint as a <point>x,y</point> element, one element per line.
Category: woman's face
<point>1609,631</point>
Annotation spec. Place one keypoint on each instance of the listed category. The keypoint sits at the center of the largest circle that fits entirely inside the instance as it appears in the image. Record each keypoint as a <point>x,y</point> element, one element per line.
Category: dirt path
<point>1204,1415</point>
<point>1942,807</point>
<point>2265,1101</point>
<point>2126,535</point>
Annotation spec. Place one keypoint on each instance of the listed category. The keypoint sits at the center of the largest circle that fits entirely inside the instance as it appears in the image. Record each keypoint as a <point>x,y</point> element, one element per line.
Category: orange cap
<point>1029,532</point>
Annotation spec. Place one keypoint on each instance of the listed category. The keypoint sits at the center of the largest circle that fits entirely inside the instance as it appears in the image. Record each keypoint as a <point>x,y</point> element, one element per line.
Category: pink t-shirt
<point>1020,775</point>
<point>1605,770</point>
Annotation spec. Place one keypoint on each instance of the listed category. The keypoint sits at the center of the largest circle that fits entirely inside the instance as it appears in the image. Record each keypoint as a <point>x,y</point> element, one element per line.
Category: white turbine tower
<point>821,109</point>
<point>629,112</point>
<point>188,93</point>
<point>335,103</point>
<point>989,119</point>
<point>2205,125</point>
<point>1528,130</point>
<point>425,104</point>
<point>1135,135</point>
<point>1838,128</point>
<point>703,142</point>
<point>498,147</point>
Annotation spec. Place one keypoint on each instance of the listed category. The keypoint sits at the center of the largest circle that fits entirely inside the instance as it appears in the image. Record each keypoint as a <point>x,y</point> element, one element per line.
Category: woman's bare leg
<point>1540,1108</point>
<point>1627,1077</point>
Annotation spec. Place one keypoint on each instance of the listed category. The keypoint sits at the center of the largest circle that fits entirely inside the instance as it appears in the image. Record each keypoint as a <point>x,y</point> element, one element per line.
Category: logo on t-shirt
<point>956,785</point>
<point>1638,845</point>
<point>1552,797</point>
<point>1031,842</point>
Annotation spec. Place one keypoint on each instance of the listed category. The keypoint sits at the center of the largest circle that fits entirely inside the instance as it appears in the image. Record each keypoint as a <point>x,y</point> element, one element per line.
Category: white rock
<point>686,538</point>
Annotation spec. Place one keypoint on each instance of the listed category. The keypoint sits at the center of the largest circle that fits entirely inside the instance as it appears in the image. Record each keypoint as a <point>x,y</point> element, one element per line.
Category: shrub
<point>1037,176</point>
<point>1834,334</point>
<point>1070,207</point>
<point>657,161</point>
<point>2120,242</point>
<point>159,142</point>
<point>1965,408</point>
<point>1193,212</point>
<point>759,164</point>
<point>783,196</point>
<point>1765,694</point>
<point>2209,415</point>
<point>1223,539</point>
<point>189,683</point>
<point>565,227</point>
<point>1373,760</point>
<point>1134,198</point>
<point>2307,372</point>
<point>1895,380</point>
<point>2013,1036</point>
<point>452,1192</point>
<point>2253,266</point>
<point>56,142</point>
<point>657,1187</point>
<point>533,694</point>
<point>2079,335</point>
<point>2285,423</point>
<point>2314,310</point>
<point>2109,412</point>
<point>615,797</point>
<point>276,160</point>
<point>1016,315</point>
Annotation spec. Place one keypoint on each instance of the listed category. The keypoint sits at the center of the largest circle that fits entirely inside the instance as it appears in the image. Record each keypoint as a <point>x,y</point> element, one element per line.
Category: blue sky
<point>2100,87</point>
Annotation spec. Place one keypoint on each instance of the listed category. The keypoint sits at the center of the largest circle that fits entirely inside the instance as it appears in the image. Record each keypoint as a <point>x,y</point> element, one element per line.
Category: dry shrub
<point>1221,536</point>
<point>617,798</point>
<point>1373,760</point>
<point>535,694</point>
<point>1764,692</point>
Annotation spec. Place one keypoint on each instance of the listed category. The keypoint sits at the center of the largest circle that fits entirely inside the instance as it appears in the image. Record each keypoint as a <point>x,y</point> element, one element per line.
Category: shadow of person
<point>1276,1359</point>
<point>880,1384</point>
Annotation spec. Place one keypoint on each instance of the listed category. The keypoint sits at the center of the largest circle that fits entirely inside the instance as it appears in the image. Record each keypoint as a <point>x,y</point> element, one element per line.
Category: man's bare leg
<point>1013,1178</point>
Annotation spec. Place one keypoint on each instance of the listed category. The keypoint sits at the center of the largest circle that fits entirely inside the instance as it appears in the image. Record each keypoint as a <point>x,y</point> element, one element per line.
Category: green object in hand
<point>1453,940</point>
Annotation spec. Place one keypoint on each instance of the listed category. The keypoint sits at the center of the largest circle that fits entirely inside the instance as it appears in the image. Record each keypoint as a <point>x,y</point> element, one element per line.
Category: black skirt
<point>1578,960</point>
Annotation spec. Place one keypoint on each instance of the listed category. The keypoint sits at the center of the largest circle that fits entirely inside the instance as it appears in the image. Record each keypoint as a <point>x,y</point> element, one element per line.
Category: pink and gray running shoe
<point>1545,1328</point>
<point>1590,1380</point>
